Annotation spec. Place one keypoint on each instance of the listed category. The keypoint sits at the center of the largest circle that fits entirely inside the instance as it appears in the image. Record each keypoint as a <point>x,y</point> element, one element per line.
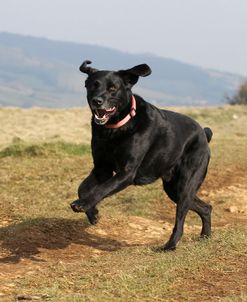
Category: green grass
<point>45,149</point>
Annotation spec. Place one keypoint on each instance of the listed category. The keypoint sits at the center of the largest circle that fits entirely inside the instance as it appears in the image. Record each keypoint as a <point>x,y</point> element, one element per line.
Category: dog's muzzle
<point>102,116</point>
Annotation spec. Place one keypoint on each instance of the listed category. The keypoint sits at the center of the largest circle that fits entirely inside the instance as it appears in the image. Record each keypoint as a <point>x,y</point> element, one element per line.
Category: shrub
<point>240,98</point>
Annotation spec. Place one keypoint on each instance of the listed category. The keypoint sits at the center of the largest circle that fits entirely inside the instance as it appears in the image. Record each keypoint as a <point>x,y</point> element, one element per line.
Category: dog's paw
<point>169,247</point>
<point>79,205</point>
<point>92,215</point>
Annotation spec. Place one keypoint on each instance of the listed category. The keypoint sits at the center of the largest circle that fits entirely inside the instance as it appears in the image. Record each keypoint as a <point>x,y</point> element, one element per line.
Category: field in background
<point>49,253</point>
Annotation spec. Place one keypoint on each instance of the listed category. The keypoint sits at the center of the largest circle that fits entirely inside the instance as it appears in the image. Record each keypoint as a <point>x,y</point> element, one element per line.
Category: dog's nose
<point>97,101</point>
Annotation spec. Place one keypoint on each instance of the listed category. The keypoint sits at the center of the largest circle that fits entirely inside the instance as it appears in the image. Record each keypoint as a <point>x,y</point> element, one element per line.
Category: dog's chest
<point>150,168</point>
<point>120,154</point>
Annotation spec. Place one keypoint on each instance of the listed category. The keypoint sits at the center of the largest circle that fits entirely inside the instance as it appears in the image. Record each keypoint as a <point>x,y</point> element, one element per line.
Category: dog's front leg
<point>93,180</point>
<point>113,185</point>
<point>121,179</point>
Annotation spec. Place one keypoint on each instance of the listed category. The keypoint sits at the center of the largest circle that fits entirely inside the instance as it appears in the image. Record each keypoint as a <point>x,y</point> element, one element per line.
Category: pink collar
<point>127,118</point>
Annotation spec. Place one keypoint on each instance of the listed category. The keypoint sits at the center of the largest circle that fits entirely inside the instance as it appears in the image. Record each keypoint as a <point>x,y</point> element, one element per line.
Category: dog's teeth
<point>110,109</point>
<point>100,118</point>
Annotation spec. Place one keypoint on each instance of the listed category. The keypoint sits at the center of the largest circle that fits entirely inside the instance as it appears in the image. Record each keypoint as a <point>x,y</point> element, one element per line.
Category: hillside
<point>41,72</point>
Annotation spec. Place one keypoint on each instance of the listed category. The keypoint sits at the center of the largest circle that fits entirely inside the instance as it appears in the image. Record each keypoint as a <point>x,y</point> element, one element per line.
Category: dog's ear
<point>85,69</point>
<point>131,75</point>
<point>141,70</point>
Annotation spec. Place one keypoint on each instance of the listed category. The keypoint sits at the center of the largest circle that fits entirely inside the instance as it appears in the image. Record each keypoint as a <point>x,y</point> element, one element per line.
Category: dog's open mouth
<point>101,116</point>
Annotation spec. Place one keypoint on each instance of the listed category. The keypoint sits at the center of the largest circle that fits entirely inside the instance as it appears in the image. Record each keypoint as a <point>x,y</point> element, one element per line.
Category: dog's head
<point>109,92</point>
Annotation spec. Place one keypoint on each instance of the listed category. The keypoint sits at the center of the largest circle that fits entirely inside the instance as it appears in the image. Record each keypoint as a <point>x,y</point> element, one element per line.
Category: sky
<point>208,33</point>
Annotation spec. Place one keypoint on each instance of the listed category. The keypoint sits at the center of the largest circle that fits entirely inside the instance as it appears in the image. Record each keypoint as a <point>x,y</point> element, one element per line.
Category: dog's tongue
<point>102,112</point>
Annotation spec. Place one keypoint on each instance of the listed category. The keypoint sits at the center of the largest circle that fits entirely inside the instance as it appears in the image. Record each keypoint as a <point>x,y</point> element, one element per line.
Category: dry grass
<point>44,125</point>
<point>47,252</point>
<point>73,125</point>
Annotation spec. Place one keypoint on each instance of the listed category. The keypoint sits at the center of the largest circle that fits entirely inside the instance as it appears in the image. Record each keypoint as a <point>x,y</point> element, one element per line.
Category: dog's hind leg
<point>183,206</point>
<point>182,189</point>
<point>204,211</point>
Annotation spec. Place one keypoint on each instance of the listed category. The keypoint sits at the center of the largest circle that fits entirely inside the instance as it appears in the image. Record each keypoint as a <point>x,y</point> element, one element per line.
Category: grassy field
<point>49,253</point>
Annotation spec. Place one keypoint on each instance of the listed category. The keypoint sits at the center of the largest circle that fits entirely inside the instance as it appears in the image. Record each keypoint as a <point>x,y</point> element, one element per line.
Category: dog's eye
<point>96,84</point>
<point>112,88</point>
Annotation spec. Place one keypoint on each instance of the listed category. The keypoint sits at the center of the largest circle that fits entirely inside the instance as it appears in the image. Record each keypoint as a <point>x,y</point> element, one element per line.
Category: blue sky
<point>208,33</point>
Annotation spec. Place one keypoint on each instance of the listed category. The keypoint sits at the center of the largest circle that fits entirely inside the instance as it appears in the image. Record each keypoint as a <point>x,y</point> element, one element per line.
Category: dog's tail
<point>209,133</point>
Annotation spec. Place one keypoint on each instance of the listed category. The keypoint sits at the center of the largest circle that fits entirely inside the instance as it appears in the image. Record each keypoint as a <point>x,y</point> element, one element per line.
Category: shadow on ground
<point>25,239</point>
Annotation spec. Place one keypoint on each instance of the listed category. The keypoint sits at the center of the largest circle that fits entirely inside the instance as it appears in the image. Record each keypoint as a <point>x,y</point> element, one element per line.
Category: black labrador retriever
<point>135,143</point>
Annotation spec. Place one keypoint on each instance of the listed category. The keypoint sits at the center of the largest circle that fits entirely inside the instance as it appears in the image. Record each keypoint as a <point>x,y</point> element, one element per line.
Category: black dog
<point>135,143</point>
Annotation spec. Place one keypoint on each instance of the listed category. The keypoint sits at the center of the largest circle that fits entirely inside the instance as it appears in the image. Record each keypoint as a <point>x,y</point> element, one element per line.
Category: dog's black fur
<point>153,144</point>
